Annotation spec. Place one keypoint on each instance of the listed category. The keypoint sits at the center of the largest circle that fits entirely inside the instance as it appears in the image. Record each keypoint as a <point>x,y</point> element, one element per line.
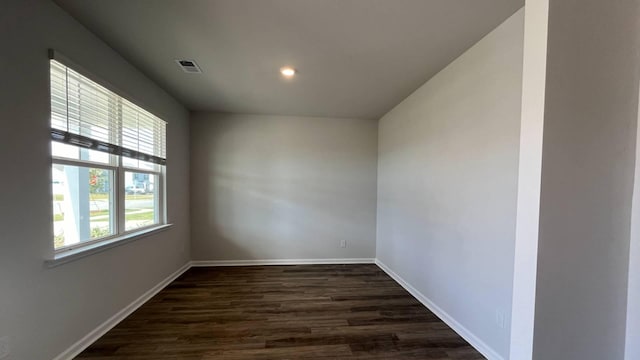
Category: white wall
<point>632,345</point>
<point>529,174</point>
<point>44,311</point>
<point>588,154</point>
<point>447,182</point>
<point>282,187</point>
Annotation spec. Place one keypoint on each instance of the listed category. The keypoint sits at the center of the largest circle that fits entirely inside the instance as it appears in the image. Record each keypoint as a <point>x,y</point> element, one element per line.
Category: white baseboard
<point>478,344</point>
<point>281,262</point>
<point>103,328</point>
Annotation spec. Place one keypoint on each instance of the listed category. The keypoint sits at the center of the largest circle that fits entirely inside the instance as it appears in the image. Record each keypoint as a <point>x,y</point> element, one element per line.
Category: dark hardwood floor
<point>282,312</point>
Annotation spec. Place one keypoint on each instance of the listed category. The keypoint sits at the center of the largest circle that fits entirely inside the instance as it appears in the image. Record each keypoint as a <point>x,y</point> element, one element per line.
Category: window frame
<point>118,216</point>
<point>160,217</point>
<point>117,187</point>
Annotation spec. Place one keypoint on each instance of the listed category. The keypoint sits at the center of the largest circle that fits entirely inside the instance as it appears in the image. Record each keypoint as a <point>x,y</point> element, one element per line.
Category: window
<point>108,162</point>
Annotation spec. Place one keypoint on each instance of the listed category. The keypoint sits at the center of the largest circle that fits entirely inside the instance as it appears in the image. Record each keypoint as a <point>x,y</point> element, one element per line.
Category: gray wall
<point>447,181</point>
<point>44,311</point>
<point>282,187</point>
<point>587,179</point>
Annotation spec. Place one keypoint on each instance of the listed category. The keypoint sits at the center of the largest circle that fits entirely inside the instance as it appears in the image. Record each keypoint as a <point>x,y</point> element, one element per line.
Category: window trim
<point>121,236</point>
<point>94,248</point>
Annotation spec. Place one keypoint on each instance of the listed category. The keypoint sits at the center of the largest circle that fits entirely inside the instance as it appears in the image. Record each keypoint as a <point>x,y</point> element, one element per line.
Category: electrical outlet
<point>343,243</point>
<point>4,347</point>
<point>500,319</point>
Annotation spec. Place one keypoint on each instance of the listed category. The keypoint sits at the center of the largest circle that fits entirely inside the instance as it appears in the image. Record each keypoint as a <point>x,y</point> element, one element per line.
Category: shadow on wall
<point>268,195</point>
<point>251,217</point>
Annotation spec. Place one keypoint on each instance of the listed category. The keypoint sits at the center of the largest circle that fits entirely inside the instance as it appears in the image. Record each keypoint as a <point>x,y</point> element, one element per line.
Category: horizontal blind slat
<point>92,114</point>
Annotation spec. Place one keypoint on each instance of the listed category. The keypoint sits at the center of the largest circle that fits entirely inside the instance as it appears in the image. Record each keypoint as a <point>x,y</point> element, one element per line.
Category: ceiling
<point>355,58</point>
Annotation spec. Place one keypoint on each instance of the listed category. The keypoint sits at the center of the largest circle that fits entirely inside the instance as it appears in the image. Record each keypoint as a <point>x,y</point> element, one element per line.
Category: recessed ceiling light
<point>288,71</point>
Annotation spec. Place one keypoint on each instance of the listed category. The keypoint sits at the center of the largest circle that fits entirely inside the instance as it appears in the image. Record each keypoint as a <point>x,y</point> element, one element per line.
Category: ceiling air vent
<point>189,66</point>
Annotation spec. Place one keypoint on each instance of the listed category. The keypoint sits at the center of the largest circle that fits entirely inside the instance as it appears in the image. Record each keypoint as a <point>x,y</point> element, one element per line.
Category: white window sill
<point>64,257</point>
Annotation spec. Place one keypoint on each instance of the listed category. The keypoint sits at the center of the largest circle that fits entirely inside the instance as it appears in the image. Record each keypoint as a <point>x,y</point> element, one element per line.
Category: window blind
<point>86,114</point>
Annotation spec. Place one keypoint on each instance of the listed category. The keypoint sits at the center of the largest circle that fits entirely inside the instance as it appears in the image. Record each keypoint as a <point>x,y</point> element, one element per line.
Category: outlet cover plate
<point>500,319</point>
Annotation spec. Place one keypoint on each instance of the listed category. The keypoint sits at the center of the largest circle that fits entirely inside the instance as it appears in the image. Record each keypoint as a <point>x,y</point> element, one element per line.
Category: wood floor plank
<point>282,312</point>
